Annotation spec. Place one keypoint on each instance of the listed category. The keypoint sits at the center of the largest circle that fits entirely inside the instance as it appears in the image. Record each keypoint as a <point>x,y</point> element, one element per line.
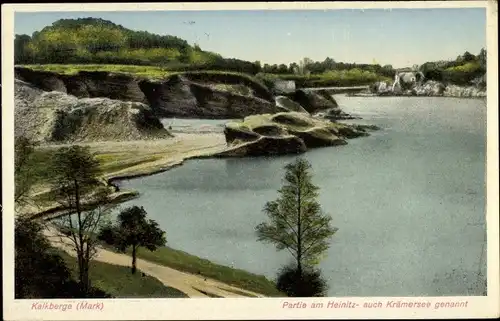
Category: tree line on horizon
<point>98,41</point>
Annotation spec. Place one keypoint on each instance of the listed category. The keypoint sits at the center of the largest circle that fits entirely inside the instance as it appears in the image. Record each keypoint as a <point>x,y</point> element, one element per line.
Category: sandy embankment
<point>163,153</point>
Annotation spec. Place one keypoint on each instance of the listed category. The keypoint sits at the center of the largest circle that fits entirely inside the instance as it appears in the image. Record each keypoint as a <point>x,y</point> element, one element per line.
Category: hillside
<point>101,45</point>
<point>466,69</point>
<point>98,41</point>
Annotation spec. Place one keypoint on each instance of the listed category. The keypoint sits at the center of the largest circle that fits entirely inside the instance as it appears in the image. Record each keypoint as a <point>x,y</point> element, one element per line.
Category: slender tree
<point>296,221</point>
<point>77,188</point>
<point>23,175</point>
<point>133,230</point>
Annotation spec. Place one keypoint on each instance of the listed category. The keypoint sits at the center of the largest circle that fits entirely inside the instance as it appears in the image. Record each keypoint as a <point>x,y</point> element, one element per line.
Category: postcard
<point>291,160</point>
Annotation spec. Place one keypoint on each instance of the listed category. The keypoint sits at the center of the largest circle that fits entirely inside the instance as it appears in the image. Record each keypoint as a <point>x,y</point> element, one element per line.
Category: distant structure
<point>284,86</point>
<point>406,78</point>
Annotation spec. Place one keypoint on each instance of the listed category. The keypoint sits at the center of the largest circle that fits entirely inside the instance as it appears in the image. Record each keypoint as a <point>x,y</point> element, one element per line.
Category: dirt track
<point>190,284</point>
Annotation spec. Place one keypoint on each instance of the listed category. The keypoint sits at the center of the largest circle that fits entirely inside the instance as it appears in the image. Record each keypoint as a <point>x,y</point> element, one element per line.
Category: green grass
<point>115,166</point>
<point>71,69</point>
<point>146,71</point>
<point>237,292</point>
<point>41,159</point>
<point>120,283</point>
<point>186,262</point>
<point>39,164</point>
<point>333,78</point>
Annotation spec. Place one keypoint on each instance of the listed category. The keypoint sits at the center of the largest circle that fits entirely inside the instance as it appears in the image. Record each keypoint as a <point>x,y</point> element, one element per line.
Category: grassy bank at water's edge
<point>186,262</point>
<point>333,78</point>
<point>110,162</point>
<point>120,283</point>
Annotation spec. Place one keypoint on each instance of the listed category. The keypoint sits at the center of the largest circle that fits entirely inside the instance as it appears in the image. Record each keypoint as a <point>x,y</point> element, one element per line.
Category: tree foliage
<point>461,71</point>
<point>40,272</point>
<point>90,40</point>
<point>75,184</point>
<point>309,283</point>
<point>295,220</point>
<point>23,173</point>
<point>133,230</point>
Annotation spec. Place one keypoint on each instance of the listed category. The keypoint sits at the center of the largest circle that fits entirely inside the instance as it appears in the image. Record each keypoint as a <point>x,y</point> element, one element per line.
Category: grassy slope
<point>120,283</point>
<point>186,262</point>
<point>110,162</point>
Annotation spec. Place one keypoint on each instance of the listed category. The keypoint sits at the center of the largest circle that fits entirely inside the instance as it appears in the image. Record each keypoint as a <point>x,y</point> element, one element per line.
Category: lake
<point>409,201</point>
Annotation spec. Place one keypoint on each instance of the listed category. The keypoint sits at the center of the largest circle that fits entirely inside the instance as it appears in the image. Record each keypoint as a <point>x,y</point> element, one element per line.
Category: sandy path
<point>190,284</point>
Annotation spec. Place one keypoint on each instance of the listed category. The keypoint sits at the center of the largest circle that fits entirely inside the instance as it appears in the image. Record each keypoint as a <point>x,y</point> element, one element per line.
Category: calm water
<point>409,202</point>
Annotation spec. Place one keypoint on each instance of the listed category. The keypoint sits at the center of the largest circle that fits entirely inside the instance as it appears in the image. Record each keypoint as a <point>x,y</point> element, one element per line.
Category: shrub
<point>309,284</point>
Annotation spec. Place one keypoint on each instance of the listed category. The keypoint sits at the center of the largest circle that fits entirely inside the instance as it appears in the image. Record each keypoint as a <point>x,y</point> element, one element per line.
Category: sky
<point>400,37</point>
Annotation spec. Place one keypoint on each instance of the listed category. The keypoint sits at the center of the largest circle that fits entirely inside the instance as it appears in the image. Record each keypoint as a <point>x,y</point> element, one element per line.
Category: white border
<point>212,309</point>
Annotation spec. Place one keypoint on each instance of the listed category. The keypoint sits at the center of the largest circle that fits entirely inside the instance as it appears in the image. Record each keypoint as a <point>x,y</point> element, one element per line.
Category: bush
<point>40,270</point>
<point>309,284</point>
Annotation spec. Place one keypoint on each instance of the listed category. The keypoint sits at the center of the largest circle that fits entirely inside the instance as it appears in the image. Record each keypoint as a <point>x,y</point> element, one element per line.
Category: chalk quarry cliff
<point>102,106</point>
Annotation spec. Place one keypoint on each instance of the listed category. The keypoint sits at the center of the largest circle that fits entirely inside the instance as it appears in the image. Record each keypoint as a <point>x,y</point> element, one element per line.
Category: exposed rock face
<point>280,133</point>
<point>239,133</point>
<point>407,80</point>
<point>428,88</point>
<point>470,91</point>
<point>174,97</point>
<point>85,84</point>
<point>58,117</point>
<point>287,104</point>
<point>313,101</point>
<point>318,137</point>
<point>266,146</point>
<point>334,114</point>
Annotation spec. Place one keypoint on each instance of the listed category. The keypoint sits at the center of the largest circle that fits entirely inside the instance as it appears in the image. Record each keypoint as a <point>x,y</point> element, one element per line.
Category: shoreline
<point>198,145</point>
<point>211,144</point>
<point>413,96</point>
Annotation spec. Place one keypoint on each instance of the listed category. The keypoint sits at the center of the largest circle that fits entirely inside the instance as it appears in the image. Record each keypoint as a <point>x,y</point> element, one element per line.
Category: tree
<point>23,173</point>
<point>296,221</point>
<point>22,53</point>
<point>304,66</point>
<point>40,271</point>
<point>77,188</point>
<point>310,284</point>
<point>258,66</point>
<point>133,230</point>
<point>282,69</point>
<point>467,56</point>
<point>482,58</point>
<point>293,68</point>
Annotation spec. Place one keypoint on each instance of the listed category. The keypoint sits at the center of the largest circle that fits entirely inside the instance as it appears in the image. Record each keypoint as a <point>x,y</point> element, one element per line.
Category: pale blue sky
<point>401,37</point>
